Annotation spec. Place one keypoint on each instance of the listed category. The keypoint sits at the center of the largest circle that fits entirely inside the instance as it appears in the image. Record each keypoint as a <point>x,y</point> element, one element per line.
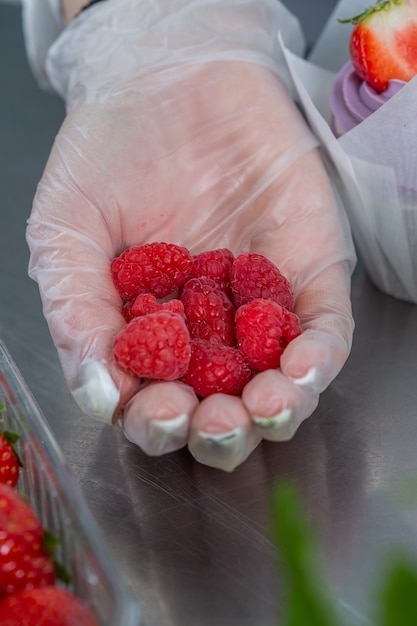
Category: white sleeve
<point>47,37</point>
<point>43,21</point>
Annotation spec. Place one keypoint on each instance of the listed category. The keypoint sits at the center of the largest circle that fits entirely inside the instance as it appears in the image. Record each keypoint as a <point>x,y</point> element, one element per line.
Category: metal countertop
<point>193,542</point>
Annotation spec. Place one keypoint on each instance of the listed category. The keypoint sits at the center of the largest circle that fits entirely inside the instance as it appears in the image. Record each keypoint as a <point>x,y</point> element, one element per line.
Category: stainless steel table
<point>194,542</point>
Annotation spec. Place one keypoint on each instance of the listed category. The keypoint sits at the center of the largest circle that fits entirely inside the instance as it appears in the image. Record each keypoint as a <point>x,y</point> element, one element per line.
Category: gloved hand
<point>180,128</point>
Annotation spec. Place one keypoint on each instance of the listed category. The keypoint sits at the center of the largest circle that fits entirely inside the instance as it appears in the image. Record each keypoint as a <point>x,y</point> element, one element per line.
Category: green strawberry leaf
<point>381,5</point>
<point>50,545</point>
<point>50,542</point>
<point>295,545</point>
<point>12,438</point>
<point>62,573</point>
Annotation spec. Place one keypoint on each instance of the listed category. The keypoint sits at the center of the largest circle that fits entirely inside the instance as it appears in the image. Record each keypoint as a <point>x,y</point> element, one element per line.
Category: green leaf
<point>12,438</point>
<point>62,573</point>
<point>381,5</point>
<point>50,545</point>
<point>398,597</point>
<point>295,545</point>
<point>50,542</point>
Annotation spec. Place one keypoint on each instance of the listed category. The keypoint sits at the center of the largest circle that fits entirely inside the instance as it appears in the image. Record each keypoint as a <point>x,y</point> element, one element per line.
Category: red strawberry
<point>9,460</point>
<point>48,606</point>
<point>263,330</point>
<point>24,563</point>
<point>383,44</point>
<point>157,268</point>
<point>215,368</point>
<point>155,346</point>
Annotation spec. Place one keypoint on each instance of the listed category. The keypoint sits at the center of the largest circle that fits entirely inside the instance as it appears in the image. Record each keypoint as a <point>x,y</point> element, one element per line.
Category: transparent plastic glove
<point>180,128</point>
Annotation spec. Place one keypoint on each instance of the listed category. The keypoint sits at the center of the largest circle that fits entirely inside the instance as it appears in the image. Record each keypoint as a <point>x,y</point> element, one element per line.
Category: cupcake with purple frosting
<point>373,116</point>
<point>383,57</point>
<point>352,99</point>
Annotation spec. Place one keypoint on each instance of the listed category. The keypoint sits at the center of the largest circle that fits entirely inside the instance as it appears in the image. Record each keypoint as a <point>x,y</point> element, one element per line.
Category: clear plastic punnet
<point>48,484</point>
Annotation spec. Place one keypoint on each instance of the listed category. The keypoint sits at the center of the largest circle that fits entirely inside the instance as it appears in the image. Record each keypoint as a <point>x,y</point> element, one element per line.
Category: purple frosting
<point>352,100</point>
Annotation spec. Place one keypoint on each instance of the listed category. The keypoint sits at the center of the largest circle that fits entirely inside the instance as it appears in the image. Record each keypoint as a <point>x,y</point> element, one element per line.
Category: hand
<point>206,154</point>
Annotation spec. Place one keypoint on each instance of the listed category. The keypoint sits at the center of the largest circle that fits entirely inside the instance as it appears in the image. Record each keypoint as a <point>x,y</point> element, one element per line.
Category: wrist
<point>122,41</point>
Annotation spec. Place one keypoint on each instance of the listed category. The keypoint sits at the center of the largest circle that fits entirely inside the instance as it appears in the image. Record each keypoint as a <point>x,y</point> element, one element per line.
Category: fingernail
<point>280,427</point>
<point>222,439</point>
<point>308,379</point>
<point>157,437</point>
<point>167,435</point>
<point>223,450</point>
<point>96,394</point>
<point>276,421</point>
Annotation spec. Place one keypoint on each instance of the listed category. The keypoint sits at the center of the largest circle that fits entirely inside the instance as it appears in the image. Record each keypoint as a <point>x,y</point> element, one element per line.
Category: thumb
<point>70,259</point>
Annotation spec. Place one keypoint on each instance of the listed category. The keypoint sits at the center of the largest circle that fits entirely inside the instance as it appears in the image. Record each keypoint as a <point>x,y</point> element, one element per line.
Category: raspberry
<point>157,268</point>
<point>154,346</point>
<point>215,368</point>
<point>263,330</point>
<point>254,276</point>
<point>146,303</point>
<point>214,264</point>
<point>201,338</point>
<point>209,312</point>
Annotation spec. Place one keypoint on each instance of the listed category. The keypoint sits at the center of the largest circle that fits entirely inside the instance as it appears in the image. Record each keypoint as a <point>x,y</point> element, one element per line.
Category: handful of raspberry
<point>211,320</point>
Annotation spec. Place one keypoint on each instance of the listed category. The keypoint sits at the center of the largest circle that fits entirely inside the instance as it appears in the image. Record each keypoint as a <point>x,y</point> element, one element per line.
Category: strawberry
<point>24,562</point>
<point>48,606</point>
<point>9,459</point>
<point>383,43</point>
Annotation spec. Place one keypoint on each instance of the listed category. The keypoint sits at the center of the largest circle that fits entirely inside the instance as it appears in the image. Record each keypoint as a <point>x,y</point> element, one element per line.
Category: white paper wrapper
<point>374,165</point>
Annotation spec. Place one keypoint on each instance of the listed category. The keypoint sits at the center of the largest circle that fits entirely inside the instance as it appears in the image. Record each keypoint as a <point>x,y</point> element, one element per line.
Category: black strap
<point>88,5</point>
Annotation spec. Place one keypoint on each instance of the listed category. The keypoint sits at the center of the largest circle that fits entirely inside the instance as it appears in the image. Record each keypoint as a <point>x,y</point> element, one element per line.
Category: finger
<point>71,250</point>
<point>315,357</point>
<point>277,404</point>
<point>83,313</point>
<point>311,244</point>
<point>222,434</point>
<point>157,418</point>
<point>279,400</point>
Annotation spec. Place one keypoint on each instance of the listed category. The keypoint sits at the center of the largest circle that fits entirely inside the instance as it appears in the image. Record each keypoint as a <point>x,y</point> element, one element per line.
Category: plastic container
<point>48,484</point>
